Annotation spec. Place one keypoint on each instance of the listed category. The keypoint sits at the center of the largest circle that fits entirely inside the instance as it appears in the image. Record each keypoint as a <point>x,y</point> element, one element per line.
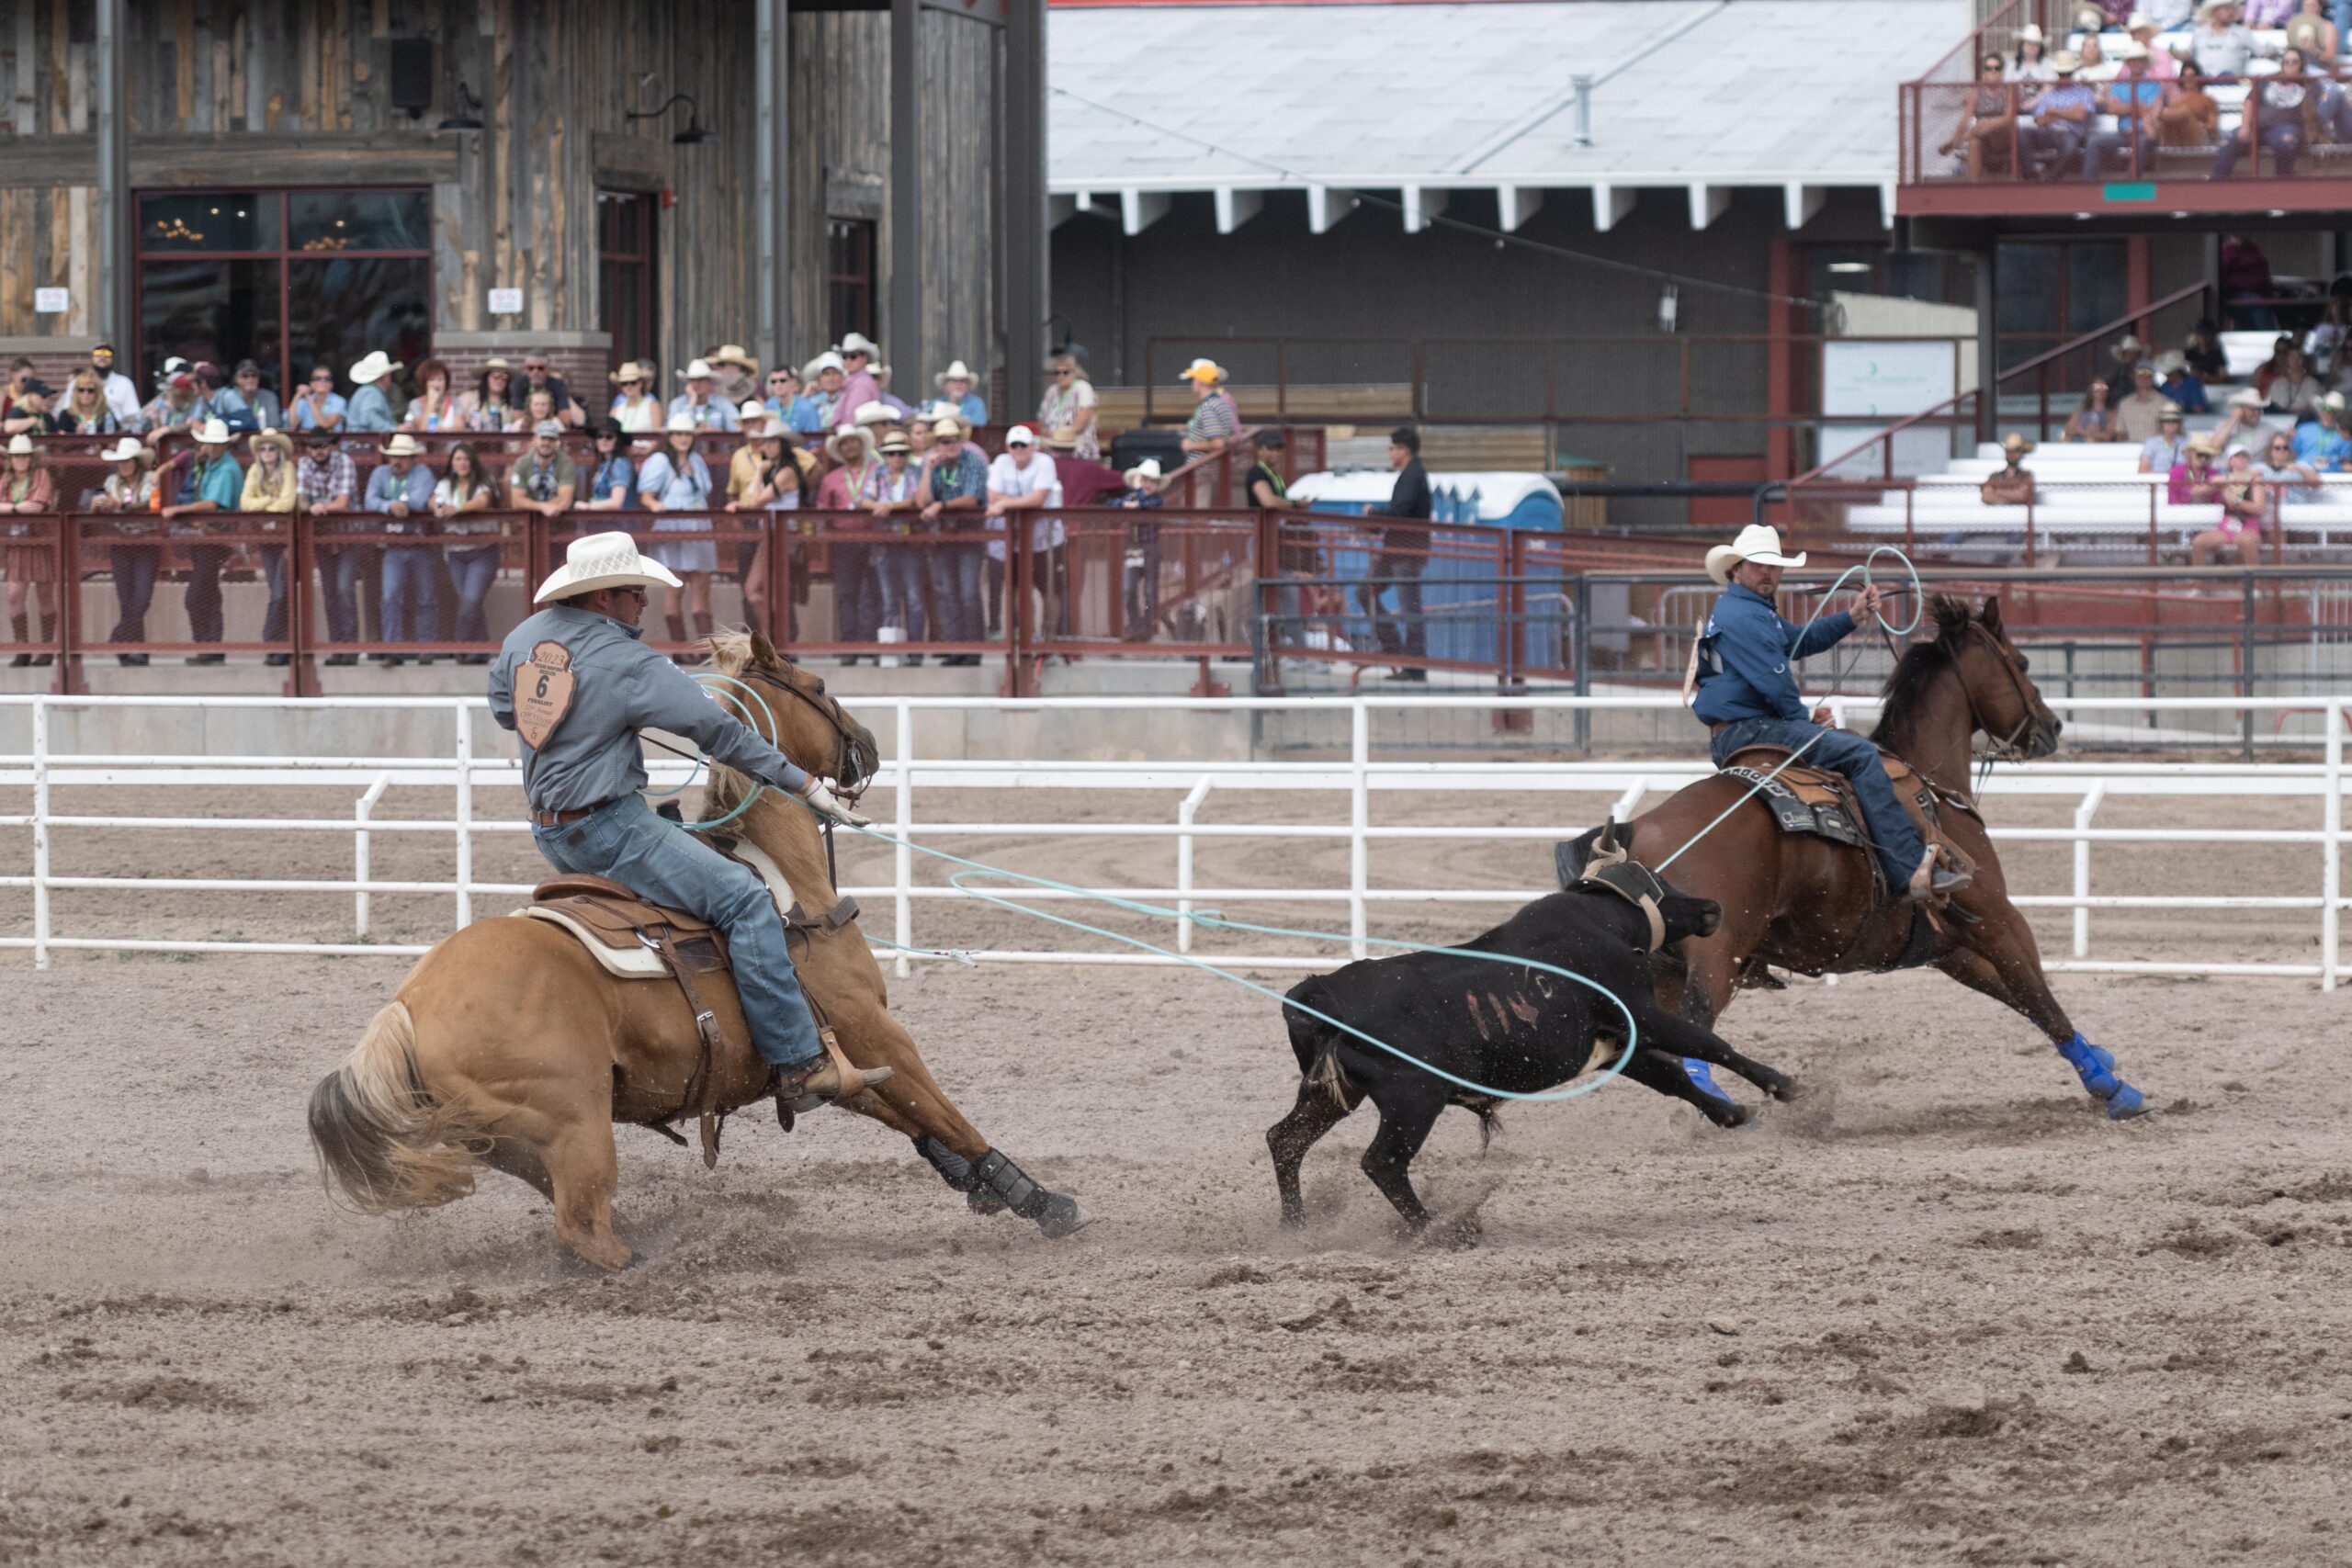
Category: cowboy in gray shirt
<point>576,682</point>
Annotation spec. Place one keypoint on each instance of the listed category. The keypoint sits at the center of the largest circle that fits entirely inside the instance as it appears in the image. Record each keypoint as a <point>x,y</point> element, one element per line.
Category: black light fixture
<point>469,115</point>
<point>694,135</point>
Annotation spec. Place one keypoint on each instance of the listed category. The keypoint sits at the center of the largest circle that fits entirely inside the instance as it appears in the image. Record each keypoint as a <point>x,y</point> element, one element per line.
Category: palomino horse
<point>509,1045</point>
<point>1809,905</point>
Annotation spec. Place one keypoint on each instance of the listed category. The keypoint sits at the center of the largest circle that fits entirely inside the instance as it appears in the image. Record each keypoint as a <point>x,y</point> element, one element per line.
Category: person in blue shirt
<point>2181,384</point>
<point>956,390</point>
<point>370,409</point>
<point>212,483</point>
<point>2325,446</point>
<point>316,406</point>
<point>400,492</point>
<point>2134,99</point>
<point>1748,695</point>
<point>2062,119</point>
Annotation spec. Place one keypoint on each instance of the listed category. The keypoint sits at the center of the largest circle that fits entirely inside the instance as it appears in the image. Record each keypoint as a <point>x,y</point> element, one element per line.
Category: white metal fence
<point>44,770</point>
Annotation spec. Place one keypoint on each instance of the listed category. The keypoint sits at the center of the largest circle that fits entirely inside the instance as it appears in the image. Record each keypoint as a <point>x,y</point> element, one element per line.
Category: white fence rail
<point>460,771</point>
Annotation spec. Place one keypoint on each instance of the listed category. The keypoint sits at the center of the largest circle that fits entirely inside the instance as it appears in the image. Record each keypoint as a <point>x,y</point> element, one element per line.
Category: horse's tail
<point>381,1136</point>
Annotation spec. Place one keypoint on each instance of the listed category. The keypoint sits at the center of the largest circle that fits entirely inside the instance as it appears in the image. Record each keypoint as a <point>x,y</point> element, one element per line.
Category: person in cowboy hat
<point>583,766</point>
<point>954,384</point>
<point>130,492</point>
<point>2062,119</point>
<point>1744,690</point>
<point>2012,483</point>
<point>401,492</point>
<point>700,402</point>
<point>2159,452</point>
<point>370,409</point>
<point>820,380</point>
<point>737,373</point>
<point>214,484</point>
<point>860,385</point>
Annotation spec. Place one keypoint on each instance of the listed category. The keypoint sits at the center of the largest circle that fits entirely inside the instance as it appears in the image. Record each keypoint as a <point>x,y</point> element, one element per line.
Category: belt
<point>561,819</point>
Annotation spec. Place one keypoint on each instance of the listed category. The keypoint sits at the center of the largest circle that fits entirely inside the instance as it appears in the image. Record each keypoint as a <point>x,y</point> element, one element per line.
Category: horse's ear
<point>763,650</point>
<point>1991,615</point>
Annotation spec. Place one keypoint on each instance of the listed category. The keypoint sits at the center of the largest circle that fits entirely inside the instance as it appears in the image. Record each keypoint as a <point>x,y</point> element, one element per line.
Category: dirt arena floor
<point>1940,1312</point>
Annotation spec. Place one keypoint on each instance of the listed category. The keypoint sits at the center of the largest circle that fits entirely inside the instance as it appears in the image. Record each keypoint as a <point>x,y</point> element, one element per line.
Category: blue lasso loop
<point>708,678</point>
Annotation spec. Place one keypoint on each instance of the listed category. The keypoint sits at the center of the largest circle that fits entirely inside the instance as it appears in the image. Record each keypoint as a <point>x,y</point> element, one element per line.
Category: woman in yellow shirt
<point>270,492</point>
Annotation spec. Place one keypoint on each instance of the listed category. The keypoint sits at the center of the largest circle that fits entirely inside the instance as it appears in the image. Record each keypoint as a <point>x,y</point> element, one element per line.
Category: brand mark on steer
<point>1475,1016</point>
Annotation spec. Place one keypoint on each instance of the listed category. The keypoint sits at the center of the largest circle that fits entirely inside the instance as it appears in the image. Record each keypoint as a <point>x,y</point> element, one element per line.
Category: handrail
<point>1950,405</point>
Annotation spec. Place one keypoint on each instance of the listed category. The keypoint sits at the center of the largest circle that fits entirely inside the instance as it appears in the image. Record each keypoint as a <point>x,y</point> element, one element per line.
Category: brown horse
<point>1812,906</point>
<point>509,1045</point>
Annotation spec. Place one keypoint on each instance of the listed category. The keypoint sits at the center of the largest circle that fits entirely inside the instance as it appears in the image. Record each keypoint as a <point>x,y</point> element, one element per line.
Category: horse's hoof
<point>1790,1091</point>
<point>2125,1103</point>
<point>1064,1216</point>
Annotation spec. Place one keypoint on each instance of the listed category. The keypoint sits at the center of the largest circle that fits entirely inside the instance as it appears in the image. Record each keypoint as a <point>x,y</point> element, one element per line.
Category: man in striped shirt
<point>1215,422</point>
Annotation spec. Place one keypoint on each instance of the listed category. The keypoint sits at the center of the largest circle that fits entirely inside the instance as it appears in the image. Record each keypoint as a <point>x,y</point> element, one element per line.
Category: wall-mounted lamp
<point>694,135</point>
<point>469,115</point>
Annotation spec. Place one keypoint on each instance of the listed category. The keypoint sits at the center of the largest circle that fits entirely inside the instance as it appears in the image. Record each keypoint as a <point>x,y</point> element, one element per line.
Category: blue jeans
<point>341,568</point>
<point>953,569</point>
<point>408,581</point>
<point>273,571</point>
<point>661,861</point>
<point>473,571</point>
<point>1840,750</point>
<point>134,568</point>
<point>897,576</point>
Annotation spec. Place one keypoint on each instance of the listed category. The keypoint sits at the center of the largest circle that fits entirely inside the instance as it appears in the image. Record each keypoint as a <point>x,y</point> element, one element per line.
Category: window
<point>286,279</point>
<point>850,280</point>
<point>625,297</point>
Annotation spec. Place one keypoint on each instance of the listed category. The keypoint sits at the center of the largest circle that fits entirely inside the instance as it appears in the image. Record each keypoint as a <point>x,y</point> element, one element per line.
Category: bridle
<point>845,760</point>
<point>2003,748</point>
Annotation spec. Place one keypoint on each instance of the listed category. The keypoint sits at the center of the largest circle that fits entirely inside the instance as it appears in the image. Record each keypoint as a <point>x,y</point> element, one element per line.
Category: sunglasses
<point>634,593</point>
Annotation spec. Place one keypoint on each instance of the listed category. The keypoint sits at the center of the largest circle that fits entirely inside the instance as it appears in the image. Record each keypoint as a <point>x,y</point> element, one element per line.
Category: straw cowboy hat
<point>21,445</point>
<point>2128,344</point>
<point>1203,370</point>
<point>2135,50</point>
<point>2014,442</point>
<point>632,372</point>
<point>278,438</point>
<point>696,369</point>
<point>1756,541</point>
<point>2246,397</point>
<point>375,368</point>
<point>2065,62</point>
<point>826,361</point>
<point>2203,442</point>
<point>894,441</point>
<point>735,354</point>
<point>2170,410</point>
<point>1142,473</point>
<point>602,560</point>
<point>858,342</point>
<point>846,433</point>
<point>945,425</point>
<point>214,433</point>
<point>2136,23</point>
<point>127,449</point>
<point>874,412</point>
<point>958,371</point>
<point>401,445</point>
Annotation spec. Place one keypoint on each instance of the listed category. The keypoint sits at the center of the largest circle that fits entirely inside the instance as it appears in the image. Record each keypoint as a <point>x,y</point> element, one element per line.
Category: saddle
<point>1806,799</point>
<point>632,939</point>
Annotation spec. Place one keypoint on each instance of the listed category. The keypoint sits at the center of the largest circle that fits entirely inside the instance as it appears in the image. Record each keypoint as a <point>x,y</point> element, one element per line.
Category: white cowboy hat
<point>213,433</point>
<point>631,371</point>
<point>1203,370</point>
<point>401,445</point>
<point>938,407</point>
<point>124,450</point>
<point>2135,50</point>
<point>2128,344</point>
<point>822,363</point>
<point>2031,33</point>
<point>2245,398</point>
<point>677,422</point>
<point>1147,470</point>
<point>696,369</point>
<point>846,433</point>
<point>602,560</point>
<point>958,371</point>
<point>375,368</point>
<point>858,342</point>
<point>21,445</point>
<point>753,409</point>
<point>1756,541</point>
<point>874,412</point>
<point>2136,23</point>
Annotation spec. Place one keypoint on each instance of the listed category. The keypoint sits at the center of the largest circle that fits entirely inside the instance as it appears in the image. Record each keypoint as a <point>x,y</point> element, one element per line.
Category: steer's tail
<point>381,1136</point>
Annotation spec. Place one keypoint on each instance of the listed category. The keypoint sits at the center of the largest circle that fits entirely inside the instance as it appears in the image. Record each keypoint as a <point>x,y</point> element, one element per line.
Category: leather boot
<point>826,1081</point>
<point>703,627</point>
<point>676,627</point>
<point>18,625</point>
<point>48,641</point>
<point>1933,884</point>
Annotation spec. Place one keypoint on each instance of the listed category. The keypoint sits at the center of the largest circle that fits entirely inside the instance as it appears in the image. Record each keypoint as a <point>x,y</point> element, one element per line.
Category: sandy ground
<point>1941,1311</point>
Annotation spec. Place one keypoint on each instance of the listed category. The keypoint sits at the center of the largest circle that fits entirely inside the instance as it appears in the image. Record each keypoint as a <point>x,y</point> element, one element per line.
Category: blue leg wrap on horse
<point>1703,1075</point>
<point>2095,1066</point>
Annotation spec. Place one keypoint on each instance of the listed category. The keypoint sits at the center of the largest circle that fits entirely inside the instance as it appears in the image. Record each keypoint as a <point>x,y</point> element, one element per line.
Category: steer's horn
<point>1607,851</point>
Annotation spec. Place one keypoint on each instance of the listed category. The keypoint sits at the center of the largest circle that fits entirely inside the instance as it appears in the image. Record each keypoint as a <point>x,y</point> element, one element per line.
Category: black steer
<point>1500,1025</point>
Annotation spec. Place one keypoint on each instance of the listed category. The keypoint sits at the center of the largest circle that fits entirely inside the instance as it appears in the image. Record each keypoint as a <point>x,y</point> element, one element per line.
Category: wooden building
<point>302,181</point>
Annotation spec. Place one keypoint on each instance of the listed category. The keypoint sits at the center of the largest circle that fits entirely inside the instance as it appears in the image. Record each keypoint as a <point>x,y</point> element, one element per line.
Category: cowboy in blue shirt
<point>1747,694</point>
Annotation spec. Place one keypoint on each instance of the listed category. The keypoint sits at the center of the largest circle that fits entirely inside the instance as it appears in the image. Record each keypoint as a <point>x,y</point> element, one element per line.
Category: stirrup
<point>827,1080</point>
<point>1931,884</point>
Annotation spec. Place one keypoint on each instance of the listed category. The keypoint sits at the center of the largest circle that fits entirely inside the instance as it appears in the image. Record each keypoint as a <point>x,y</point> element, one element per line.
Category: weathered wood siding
<point>296,92</point>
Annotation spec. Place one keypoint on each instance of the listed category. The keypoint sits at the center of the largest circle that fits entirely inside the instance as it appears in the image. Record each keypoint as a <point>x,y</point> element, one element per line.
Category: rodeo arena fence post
<point>47,768</point>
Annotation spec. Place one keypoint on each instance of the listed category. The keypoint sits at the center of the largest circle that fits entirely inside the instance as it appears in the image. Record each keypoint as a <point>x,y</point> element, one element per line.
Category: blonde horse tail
<point>380,1135</point>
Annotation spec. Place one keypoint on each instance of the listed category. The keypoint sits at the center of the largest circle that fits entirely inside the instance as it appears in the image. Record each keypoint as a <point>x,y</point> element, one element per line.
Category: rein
<point>2002,748</point>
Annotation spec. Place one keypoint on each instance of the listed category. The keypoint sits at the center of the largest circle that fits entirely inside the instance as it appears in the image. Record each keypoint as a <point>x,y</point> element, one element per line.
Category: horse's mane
<point>1917,669</point>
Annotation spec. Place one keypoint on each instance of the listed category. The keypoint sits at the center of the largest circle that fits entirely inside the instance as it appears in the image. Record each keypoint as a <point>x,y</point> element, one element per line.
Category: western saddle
<point>1806,799</point>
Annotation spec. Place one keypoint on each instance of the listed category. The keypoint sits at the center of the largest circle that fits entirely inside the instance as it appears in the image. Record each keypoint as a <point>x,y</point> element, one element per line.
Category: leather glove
<point>825,803</point>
